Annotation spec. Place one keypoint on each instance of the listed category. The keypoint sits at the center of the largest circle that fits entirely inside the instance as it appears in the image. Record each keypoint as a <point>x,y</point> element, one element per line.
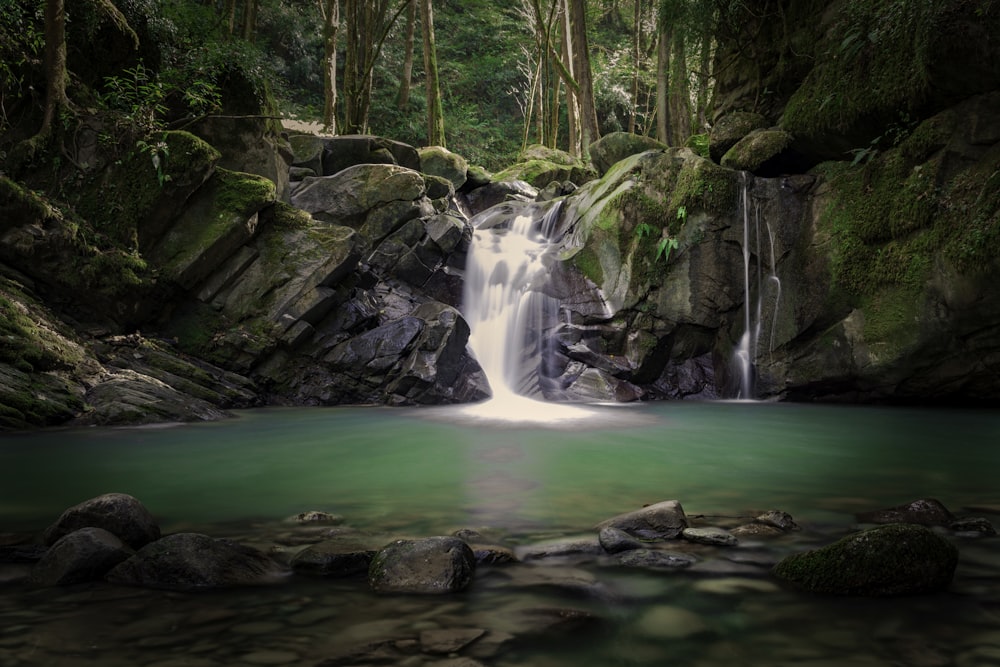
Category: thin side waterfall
<point>755,283</point>
<point>508,312</point>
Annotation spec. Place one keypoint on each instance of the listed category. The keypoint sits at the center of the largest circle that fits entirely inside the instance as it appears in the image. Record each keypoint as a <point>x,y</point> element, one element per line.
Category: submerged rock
<point>897,559</point>
<point>653,558</point>
<point>615,540</point>
<point>83,555</point>
<point>118,513</point>
<point>192,561</point>
<point>334,558</point>
<point>778,519</point>
<point>925,512</point>
<point>712,536</point>
<point>431,565</point>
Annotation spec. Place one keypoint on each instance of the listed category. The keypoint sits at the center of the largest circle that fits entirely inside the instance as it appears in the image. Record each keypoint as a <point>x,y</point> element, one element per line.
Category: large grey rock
<point>191,561</point>
<point>896,559</point>
<point>83,555</point>
<point>661,521</point>
<point>118,513</point>
<point>431,565</point>
<point>347,197</point>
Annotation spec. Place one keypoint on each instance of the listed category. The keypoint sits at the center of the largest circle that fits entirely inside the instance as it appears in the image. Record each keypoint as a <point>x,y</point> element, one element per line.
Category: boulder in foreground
<point>896,559</point>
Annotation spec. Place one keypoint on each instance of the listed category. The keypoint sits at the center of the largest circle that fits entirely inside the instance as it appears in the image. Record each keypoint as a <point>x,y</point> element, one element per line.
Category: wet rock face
<point>118,513</point>
<point>431,565</point>
<point>896,559</point>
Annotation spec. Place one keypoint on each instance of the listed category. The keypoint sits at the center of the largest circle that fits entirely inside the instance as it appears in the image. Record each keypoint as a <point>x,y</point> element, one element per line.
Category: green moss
<point>877,65</point>
<point>703,185</point>
<point>755,149</point>
<point>27,342</point>
<point>969,218</point>
<point>589,264</point>
<point>289,217</point>
<point>888,560</point>
<point>699,144</point>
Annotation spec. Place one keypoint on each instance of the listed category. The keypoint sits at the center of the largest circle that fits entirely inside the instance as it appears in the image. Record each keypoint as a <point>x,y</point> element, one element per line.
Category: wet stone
<point>615,541</point>
<point>257,628</point>
<point>974,526</point>
<point>716,537</point>
<point>271,657</point>
<point>655,559</point>
<point>756,530</point>
<point>668,622</point>
<point>449,640</point>
<point>735,586</point>
<point>776,518</point>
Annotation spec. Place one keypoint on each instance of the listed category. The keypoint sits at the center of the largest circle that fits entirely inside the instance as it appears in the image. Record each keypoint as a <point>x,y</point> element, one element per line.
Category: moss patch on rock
<point>897,559</point>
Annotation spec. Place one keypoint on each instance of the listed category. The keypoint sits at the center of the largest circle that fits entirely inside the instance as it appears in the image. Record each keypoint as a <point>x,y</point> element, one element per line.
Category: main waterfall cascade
<point>509,312</point>
<point>766,288</point>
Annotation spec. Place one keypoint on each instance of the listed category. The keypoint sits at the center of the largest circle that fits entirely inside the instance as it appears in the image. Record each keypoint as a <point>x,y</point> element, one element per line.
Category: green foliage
<point>21,41</point>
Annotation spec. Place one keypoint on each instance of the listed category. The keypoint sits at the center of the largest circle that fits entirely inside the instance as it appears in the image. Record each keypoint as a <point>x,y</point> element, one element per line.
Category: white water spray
<point>746,352</point>
<point>508,312</point>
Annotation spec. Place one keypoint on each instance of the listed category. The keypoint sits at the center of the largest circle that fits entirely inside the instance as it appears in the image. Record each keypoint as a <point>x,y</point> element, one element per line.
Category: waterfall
<point>508,311</point>
<point>756,284</point>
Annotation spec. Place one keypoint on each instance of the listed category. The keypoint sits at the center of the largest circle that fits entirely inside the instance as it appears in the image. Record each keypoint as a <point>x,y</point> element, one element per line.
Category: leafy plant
<point>137,98</point>
<point>158,153</point>
<point>666,244</point>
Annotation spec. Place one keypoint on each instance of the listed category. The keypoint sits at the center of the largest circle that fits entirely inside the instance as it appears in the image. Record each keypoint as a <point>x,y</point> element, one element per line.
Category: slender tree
<point>330,10</point>
<point>636,62</point>
<point>406,80</point>
<point>435,112</point>
<point>589,129</point>
<point>665,39</point>
<point>367,23</point>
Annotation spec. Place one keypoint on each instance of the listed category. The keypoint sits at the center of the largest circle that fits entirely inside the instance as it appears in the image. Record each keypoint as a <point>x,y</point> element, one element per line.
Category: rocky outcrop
<point>897,559</point>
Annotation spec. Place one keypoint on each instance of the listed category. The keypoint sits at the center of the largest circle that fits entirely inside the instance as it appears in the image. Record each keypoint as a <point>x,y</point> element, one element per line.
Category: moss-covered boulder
<point>730,129</point>
<point>763,153</point>
<point>897,559</point>
<point>439,161</point>
<point>616,146</point>
<point>218,220</point>
<point>539,166</point>
<point>349,150</point>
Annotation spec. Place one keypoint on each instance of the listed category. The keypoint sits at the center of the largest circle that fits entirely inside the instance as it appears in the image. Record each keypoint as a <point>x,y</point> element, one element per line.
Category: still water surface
<point>432,471</point>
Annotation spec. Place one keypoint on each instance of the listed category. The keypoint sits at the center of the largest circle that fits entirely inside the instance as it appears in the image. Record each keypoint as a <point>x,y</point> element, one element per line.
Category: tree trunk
<point>704,78</point>
<point>55,65</point>
<point>435,113</point>
<point>250,20</point>
<point>572,102</point>
<point>663,84</point>
<point>230,14</point>
<point>331,25</point>
<point>636,61</point>
<point>680,93</point>
<point>403,96</point>
<point>589,129</point>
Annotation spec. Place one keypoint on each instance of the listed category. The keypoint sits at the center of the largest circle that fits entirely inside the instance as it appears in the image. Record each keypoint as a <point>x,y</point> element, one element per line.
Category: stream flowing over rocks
<point>289,593</point>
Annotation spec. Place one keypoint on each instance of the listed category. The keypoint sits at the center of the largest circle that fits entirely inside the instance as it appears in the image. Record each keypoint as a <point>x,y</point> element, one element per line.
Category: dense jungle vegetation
<point>502,67</point>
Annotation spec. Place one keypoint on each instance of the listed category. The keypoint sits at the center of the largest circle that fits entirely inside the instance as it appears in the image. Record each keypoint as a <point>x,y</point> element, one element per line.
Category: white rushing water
<point>508,311</point>
<point>755,283</point>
